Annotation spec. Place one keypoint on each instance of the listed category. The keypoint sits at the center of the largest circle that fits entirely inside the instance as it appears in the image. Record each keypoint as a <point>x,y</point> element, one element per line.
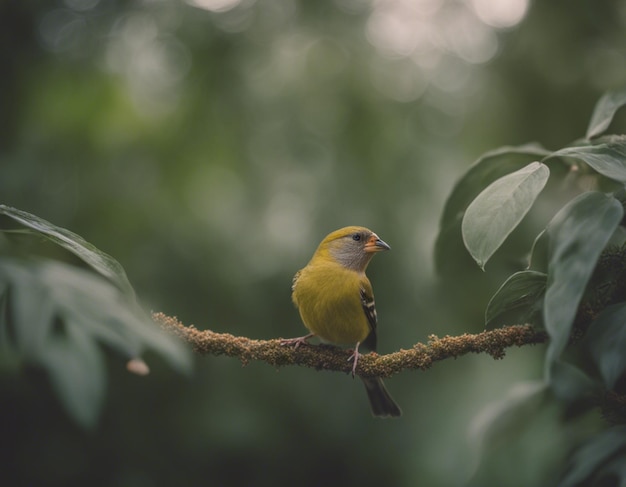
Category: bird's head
<point>353,247</point>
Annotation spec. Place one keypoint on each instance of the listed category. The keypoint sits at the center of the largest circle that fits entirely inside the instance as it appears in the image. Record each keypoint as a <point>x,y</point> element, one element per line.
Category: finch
<point>336,302</point>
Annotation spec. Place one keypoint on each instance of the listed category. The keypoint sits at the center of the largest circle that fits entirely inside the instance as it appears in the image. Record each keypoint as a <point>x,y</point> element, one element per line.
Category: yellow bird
<point>336,301</point>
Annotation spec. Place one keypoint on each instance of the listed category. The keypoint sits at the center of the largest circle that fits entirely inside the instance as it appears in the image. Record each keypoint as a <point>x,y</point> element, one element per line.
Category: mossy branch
<point>420,356</point>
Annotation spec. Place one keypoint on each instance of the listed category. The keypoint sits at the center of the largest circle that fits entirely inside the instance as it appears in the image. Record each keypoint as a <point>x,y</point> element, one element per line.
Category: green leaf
<point>98,260</point>
<point>76,369</point>
<point>614,471</point>
<point>525,426</point>
<point>488,168</point>
<point>578,234</point>
<point>108,315</point>
<point>59,317</point>
<point>618,239</point>
<point>519,300</point>
<point>539,253</point>
<point>499,208</point>
<point>570,384</point>
<point>606,338</point>
<point>588,459</point>
<point>28,302</point>
<point>604,112</point>
<point>608,159</point>
<point>509,412</point>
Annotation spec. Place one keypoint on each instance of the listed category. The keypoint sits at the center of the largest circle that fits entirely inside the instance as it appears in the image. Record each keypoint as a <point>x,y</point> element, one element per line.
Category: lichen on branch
<point>322,357</point>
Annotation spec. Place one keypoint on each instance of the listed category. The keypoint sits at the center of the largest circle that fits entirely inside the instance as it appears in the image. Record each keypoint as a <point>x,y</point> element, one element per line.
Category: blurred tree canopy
<point>208,145</point>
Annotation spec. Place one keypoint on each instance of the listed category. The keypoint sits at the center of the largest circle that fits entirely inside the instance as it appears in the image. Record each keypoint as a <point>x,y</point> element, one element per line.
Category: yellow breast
<point>329,301</point>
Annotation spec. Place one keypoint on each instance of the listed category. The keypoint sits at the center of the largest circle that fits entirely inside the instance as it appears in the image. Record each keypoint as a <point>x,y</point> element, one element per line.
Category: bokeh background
<point>208,145</point>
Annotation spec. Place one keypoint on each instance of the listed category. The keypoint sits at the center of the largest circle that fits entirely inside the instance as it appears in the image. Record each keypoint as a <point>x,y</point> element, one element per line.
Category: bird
<point>336,302</point>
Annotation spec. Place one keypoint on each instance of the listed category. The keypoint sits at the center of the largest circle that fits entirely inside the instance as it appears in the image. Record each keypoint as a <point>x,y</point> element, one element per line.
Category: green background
<point>210,145</point>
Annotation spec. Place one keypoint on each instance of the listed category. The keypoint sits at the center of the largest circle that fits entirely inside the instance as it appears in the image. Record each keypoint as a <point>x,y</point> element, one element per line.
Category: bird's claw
<point>355,359</point>
<point>296,342</point>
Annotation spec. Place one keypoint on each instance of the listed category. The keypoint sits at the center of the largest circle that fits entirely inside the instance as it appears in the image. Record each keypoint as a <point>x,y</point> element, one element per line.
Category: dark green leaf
<point>9,356</point>
<point>539,253</point>
<point>578,234</point>
<point>98,260</point>
<point>75,366</point>
<point>618,239</point>
<point>519,300</point>
<point>608,159</point>
<point>525,427</point>
<point>488,168</point>
<point>589,458</point>
<point>604,112</point>
<point>521,401</point>
<point>499,208</point>
<point>29,304</point>
<point>570,384</point>
<point>614,472</point>
<point>606,338</point>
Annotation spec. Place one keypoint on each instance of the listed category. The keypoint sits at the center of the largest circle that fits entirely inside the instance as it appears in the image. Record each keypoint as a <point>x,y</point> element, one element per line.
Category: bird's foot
<point>296,342</point>
<point>355,358</point>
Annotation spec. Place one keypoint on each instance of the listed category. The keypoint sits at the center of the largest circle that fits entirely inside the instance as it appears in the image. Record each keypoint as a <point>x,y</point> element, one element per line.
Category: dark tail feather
<point>382,404</point>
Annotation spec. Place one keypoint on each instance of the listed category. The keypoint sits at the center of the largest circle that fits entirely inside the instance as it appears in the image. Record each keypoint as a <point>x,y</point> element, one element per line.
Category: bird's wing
<point>369,308</point>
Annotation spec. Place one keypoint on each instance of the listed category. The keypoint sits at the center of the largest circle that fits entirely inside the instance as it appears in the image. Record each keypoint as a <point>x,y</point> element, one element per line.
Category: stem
<point>321,357</point>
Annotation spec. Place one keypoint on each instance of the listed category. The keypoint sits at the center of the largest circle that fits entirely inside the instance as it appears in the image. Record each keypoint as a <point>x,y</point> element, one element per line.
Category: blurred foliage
<point>55,316</point>
<point>208,145</point>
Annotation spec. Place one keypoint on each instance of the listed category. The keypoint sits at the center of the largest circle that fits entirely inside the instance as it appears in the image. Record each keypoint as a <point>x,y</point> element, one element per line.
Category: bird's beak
<point>375,244</point>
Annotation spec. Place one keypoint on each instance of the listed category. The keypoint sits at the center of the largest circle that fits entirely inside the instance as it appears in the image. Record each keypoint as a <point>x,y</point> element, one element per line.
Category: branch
<point>324,357</point>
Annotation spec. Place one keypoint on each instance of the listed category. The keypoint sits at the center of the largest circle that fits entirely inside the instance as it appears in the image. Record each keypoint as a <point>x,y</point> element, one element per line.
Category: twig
<point>420,356</point>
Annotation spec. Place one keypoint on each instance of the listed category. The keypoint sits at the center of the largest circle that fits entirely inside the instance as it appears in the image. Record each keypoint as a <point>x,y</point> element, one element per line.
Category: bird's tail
<point>381,402</point>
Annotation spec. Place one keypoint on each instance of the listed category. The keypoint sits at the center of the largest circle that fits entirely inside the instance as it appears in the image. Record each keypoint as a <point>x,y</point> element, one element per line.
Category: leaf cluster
<point>60,314</point>
<point>574,281</point>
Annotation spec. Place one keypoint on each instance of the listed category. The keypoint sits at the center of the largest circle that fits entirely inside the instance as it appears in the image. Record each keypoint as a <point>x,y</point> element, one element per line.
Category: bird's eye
<point>356,237</point>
